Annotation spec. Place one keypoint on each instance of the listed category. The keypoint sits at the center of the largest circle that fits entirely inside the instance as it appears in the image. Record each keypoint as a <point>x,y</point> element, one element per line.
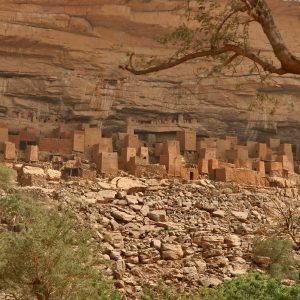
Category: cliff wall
<point>59,64</point>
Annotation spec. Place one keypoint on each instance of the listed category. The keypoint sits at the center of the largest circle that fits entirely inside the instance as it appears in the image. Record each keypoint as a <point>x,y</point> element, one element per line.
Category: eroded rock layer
<point>59,63</point>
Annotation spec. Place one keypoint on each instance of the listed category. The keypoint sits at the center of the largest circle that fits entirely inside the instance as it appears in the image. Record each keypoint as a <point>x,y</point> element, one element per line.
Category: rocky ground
<point>187,235</point>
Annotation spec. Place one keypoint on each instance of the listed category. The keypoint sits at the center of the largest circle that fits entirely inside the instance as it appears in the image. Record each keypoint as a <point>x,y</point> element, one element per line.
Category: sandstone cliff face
<point>59,63</point>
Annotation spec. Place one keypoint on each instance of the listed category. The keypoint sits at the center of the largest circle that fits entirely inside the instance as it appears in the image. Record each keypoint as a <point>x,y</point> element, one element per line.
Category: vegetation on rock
<point>5,177</point>
<point>44,255</point>
<point>250,287</point>
<point>277,256</point>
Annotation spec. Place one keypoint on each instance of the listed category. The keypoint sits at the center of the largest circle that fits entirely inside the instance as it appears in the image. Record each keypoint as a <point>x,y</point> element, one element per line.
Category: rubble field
<point>186,234</point>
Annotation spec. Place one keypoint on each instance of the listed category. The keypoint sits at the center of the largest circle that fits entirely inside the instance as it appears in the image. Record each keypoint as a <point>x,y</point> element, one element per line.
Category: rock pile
<point>186,234</point>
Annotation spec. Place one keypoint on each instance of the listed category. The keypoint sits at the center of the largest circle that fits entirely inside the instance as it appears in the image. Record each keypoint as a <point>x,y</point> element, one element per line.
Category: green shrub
<point>5,177</point>
<point>251,287</point>
<point>279,252</point>
<point>50,257</point>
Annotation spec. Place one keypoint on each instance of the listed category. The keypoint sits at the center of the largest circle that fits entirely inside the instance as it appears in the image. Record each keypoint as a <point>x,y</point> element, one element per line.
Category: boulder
<point>219,213</point>
<point>121,215</point>
<point>158,215</point>
<point>262,261</point>
<point>190,273</point>
<point>35,171</point>
<point>200,265</point>
<point>145,210</point>
<point>104,185</point>
<point>127,183</point>
<point>132,199</point>
<point>239,267</point>
<point>240,215</point>
<point>115,239</point>
<point>149,256</point>
<point>212,253</point>
<point>31,176</point>
<point>171,251</point>
<point>201,240</point>
<point>217,261</point>
<point>232,240</point>
<point>53,174</point>
<point>106,194</point>
<point>210,281</point>
<point>156,244</point>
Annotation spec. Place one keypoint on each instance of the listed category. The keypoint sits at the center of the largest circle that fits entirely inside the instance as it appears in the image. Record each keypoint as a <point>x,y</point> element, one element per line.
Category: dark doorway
<point>72,172</point>
<point>191,175</point>
<point>23,145</point>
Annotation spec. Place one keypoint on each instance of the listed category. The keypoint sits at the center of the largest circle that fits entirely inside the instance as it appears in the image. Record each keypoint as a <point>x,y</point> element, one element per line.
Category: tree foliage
<point>249,287</point>
<point>220,33</point>
<point>252,287</point>
<point>281,263</point>
<point>49,257</point>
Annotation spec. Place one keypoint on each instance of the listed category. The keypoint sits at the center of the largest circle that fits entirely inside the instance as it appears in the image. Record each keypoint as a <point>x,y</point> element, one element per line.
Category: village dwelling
<point>181,155</point>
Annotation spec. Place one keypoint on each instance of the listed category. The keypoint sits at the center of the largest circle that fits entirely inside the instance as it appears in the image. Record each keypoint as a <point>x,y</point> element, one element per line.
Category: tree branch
<point>232,13</point>
<point>204,53</point>
<point>259,12</point>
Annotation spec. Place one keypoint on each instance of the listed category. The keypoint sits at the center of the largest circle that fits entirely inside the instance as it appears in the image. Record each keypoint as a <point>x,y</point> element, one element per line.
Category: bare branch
<point>287,216</point>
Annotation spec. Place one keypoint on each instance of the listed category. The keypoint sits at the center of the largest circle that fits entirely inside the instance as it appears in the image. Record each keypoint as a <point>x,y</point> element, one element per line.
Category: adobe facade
<point>179,154</point>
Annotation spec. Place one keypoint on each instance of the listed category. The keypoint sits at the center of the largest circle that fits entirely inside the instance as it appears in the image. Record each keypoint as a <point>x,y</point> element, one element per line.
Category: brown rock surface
<point>177,240</point>
<point>62,60</point>
<point>193,247</point>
